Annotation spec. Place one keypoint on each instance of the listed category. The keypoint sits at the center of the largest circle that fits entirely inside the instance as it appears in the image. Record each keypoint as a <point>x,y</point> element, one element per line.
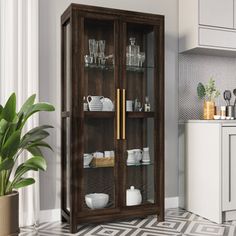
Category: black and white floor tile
<point>178,223</point>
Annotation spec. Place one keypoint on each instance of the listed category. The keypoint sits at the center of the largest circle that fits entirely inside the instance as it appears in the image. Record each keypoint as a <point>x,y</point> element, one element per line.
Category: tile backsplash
<point>199,68</point>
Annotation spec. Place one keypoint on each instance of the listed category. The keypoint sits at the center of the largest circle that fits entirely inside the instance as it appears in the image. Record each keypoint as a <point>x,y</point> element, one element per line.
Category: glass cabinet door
<point>99,145</point>
<point>139,84</point>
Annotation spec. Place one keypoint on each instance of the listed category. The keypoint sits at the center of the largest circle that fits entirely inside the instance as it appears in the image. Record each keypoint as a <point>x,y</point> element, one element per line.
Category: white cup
<point>129,105</point>
<point>107,154</point>
<point>112,153</point>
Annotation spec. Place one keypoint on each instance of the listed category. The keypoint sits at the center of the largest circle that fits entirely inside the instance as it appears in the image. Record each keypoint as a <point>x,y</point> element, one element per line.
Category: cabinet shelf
<point>99,67</point>
<point>140,114</point>
<point>99,114</point>
<point>92,167</point>
<point>138,69</point>
<point>140,164</point>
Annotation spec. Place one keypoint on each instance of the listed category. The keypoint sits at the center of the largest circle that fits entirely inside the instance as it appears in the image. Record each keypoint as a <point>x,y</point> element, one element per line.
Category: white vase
<point>95,103</point>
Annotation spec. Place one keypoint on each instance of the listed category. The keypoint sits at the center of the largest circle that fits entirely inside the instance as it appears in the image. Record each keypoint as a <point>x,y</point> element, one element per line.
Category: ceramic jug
<point>131,157</point>
<point>146,155</point>
<point>133,197</point>
<point>95,103</point>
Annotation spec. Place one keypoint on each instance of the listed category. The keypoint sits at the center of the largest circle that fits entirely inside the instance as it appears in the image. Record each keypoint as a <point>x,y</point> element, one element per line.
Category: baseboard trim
<point>50,215</point>
<point>171,202</point>
<point>55,214</point>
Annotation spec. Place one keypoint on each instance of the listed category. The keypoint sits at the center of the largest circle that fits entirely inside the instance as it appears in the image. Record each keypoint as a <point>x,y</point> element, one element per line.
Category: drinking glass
<point>101,44</point>
<point>91,48</point>
<point>141,59</point>
<point>95,53</point>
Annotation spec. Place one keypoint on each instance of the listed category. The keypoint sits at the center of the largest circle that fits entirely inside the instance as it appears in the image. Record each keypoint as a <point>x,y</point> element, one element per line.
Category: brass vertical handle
<point>118,114</point>
<point>123,116</point>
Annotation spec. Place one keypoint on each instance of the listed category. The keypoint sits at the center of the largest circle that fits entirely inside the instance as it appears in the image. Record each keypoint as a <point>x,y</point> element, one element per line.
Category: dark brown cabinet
<point>118,56</point>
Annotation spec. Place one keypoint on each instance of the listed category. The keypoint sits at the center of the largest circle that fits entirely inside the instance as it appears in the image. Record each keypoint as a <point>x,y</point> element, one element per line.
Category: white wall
<point>49,40</point>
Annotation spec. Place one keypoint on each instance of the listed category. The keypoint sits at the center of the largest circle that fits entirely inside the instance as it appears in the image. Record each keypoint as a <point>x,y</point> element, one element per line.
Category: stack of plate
<point>95,107</point>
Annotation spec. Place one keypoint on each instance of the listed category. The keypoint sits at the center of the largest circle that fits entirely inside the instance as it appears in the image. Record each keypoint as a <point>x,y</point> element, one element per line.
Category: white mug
<point>129,105</point>
<point>107,154</point>
<point>112,153</point>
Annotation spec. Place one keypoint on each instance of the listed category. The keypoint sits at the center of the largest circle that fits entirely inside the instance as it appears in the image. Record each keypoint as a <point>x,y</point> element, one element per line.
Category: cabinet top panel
<point>120,14</point>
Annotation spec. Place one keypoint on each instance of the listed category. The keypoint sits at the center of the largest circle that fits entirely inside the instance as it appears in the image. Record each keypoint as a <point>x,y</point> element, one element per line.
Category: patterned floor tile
<point>178,222</point>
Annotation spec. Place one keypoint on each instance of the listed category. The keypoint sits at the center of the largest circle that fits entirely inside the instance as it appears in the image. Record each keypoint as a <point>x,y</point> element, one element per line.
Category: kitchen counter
<point>207,176</point>
<point>223,122</point>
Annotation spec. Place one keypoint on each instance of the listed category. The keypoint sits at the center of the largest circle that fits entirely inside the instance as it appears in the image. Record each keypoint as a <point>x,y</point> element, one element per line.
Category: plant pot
<point>209,110</point>
<point>9,214</point>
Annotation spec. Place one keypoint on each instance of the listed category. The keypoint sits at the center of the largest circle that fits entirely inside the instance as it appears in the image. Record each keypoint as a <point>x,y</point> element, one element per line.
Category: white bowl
<point>87,159</point>
<point>96,200</point>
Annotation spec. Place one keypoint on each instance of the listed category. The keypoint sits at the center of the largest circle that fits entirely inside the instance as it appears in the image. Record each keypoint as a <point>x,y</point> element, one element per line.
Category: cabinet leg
<point>73,228</point>
<point>161,217</point>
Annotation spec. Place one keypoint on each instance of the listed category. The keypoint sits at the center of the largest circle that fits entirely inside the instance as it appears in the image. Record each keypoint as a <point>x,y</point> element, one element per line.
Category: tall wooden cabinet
<point>116,78</point>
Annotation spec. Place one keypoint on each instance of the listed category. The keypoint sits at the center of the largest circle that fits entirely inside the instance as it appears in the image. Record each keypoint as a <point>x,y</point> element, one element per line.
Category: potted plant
<point>13,141</point>
<point>209,93</point>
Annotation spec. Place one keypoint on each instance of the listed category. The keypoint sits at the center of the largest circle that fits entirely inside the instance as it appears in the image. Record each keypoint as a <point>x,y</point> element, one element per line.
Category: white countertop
<point>226,122</point>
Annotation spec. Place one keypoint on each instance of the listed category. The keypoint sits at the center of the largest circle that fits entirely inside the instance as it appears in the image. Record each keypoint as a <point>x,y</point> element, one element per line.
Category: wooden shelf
<point>140,114</point>
<point>99,114</point>
<point>140,164</point>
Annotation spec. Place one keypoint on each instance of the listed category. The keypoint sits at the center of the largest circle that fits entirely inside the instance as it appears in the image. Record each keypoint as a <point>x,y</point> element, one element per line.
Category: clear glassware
<point>132,52</point>
<point>91,48</point>
<point>101,44</point>
<point>141,59</point>
<point>95,51</point>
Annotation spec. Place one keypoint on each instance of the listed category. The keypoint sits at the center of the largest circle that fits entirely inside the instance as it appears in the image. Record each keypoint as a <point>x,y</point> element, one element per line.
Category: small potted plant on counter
<point>209,93</point>
<point>14,141</point>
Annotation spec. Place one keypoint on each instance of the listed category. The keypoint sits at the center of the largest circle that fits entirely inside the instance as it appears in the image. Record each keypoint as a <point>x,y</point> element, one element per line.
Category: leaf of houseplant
<point>11,146</point>
<point>7,164</point>
<point>40,144</point>
<point>1,108</point>
<point>3,126</point>
<point>201,91</point>
<point>23,182</point>
<point>34,137</point>
<point>36,162</point>
<point>35,151</point>
<point>41,106</point>
<point>9,111</point>
<point>28,104</point>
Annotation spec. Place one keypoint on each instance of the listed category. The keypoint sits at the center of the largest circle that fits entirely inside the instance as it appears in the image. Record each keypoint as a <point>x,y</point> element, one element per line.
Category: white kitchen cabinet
<point>218,13</point>
<point>207,169</point>
<point>207,26</point>
<point>228,168</point>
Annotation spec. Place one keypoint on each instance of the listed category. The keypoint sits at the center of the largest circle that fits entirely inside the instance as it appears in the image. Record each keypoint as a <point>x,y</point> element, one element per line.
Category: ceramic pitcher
<point>95,103</point>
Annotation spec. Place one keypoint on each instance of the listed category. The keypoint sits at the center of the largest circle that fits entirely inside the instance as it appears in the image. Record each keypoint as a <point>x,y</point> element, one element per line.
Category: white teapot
<point>95,103</point>
<point>133,197</point>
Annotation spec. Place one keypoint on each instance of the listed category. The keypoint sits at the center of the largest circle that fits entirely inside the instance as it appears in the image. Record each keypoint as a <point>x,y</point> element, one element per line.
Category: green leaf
<point>3,126</point>
<point>35,151</point>
<point>1,109</point>
<point>23,182</point>
<point>40,144</point>
<point>201,91</point>
<point>11,146</point>
<point>34,137</point>
<point>22,169</point>
<point>41,106</point>
<point>9,111</point>
<point>36,162</point>
<point>7,164</point>
<point>27,105</point>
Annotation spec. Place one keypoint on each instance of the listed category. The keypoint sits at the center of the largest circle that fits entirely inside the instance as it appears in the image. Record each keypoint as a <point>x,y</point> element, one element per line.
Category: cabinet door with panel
<point>218,13</point>
<point>228,168</point>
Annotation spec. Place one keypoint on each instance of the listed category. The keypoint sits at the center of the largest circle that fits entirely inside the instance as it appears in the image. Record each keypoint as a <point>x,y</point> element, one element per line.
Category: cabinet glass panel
<point>140,93</point>
<point>99,96</point>
<point>66,109</point>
